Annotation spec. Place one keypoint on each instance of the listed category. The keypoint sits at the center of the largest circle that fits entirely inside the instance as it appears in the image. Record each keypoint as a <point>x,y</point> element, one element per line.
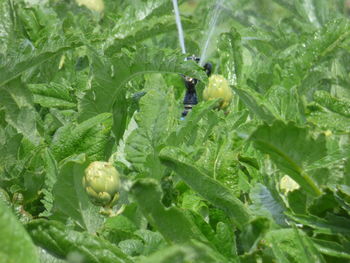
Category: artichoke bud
<point>218,88</point>
<point>102,183</point>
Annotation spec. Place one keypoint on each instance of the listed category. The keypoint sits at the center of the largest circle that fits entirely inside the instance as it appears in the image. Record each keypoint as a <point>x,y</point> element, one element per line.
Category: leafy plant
<point>265,180</point>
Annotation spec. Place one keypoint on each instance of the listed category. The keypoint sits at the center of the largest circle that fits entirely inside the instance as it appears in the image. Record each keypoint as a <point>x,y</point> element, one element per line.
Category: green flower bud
<point>218,88</point>
<point>101,183</point>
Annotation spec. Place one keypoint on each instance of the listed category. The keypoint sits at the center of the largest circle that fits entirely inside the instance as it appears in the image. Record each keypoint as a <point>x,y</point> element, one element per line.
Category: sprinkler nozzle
<point>190,83</point>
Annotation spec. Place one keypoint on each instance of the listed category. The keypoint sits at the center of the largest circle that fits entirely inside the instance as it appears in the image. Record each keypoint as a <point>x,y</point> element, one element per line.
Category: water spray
<point>216,12</point>
<point>179,26</point>
<point>190,83</point>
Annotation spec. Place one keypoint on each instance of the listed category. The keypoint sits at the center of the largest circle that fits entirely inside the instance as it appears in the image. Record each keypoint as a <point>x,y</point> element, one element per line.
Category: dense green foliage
<point>80,85</point>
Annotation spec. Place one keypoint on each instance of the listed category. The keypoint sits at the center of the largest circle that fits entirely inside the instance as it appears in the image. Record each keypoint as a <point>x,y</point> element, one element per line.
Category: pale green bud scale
<point>102,183</point>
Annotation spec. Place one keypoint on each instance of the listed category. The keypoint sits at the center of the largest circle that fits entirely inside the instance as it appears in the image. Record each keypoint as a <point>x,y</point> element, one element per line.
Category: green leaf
<point>188,127</point>
<point>127,36</point>
<point>331,159</point>
<point>131,247</point>
<point>90,137</point>
<point>52,95</point>
<point>110,77</point>
<point>297,201</point>
<point>118,228</point>
<point>342,196</point>
<point>10,72</point>
<point>323,10</point>
<point>193,251</point>
<point>285,104</point>
<point>231,56</point>
<point>292,245</point>
<point>195,203</point>
<point>253,233</point>
<point>60,241</point>
<point>46,257</point>
<point>9,151</point>
<point>226,241</point>
<point>5,26</point>
<point>330,120</point>
<point>104,95</point>
<point>119,111</point>
<point>203,226</point>
<point>144,143</point>
<point>331,248</point>
<point>317,48</point>
<point>329,226</point>
<point>206,186</point>
<point>15,243</point>
<point>264,203</point>
<point>50,179</point>
<point>170,222</point>
<point>20,112</point>
<point>153,241</point>
<point>314,12</point>
<point>291,148</point>
<point>140,12</point>
<point>70,197</point>
<point>288,5</point>
<point>337,105</point>
<point>254,104</point>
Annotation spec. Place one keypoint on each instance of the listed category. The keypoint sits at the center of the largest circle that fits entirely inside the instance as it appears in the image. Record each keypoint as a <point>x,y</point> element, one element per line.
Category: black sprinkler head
<point>208,68</point>
<point>190,83</point>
